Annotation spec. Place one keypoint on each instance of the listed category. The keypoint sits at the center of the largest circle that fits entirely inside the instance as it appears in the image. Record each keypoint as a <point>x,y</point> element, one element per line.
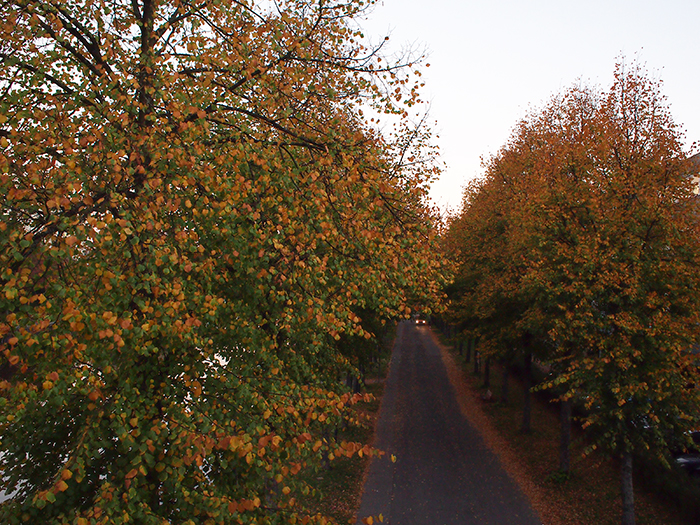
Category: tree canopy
<point>196,214</point>
<point>583,236</point>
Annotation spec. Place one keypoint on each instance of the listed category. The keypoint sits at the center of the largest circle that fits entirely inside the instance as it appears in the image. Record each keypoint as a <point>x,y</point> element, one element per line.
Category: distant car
<point>690,463</point>
<point>419,320</point>
<point>690,460</point>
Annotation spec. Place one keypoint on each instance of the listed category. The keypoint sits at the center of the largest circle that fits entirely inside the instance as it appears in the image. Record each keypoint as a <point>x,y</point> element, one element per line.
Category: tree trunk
<point>460,347</point>
<point>527,385</point>
<point>565,442</point>
<point>469,350</point>
<point>477,366</point>
<point>487,372</point>
<point>504,384</point>
<point>627,489</point>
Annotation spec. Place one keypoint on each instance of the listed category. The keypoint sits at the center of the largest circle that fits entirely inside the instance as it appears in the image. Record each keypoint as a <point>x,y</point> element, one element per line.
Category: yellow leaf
<point>196,389</point>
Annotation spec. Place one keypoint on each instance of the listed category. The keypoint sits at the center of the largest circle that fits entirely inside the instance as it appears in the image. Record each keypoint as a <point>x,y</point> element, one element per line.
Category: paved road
<point>443,474</point>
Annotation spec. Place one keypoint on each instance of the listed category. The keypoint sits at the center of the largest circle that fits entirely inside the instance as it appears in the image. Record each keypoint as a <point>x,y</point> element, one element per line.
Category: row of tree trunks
<point>467,349</point>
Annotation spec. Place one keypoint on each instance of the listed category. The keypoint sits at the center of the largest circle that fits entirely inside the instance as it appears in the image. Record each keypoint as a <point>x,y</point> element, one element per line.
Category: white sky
<point>492,60</point>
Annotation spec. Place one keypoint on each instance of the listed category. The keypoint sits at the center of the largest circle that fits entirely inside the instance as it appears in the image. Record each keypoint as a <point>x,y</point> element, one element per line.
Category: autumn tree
<point>604,225</point>
<point>630,314</point>
<point>195,212</point>
<point>490,250</point>
<point>549,159</point>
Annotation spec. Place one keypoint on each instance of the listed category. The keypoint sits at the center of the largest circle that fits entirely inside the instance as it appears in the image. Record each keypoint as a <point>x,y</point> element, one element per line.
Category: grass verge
<point>338,486</point>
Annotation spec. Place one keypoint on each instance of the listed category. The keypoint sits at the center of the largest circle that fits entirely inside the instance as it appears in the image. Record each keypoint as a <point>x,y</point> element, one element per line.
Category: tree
<point>486,241</point>
<point>195,213</point>
<point>603,231</point>
<point>631,314</point>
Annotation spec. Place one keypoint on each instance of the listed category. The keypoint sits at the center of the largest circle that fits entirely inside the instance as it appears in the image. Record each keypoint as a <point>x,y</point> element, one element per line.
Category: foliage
<point>195,212</point>
<point>584,236</point>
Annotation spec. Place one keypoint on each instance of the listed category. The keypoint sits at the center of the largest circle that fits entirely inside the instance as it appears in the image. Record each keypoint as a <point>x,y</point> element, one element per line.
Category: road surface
<point>443,473</point>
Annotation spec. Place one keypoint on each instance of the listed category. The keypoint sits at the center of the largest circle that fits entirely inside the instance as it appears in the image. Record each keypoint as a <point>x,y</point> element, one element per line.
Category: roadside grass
<point>591,493</point>
<point>337,488</point>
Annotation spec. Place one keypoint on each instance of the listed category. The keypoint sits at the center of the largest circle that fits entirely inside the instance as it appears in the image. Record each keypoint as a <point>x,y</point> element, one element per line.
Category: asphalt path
<point>443,472</point>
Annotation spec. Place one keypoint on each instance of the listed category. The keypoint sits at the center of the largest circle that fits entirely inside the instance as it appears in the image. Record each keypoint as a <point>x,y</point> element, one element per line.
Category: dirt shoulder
<point>589,496</point>
<point>472,407</point>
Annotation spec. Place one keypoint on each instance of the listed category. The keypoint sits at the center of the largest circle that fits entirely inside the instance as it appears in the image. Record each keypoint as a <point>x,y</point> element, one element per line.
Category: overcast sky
<point>492,60</point>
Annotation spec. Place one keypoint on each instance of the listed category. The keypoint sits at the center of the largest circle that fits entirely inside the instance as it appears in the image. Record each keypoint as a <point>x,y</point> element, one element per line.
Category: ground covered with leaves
<point>591,494</point>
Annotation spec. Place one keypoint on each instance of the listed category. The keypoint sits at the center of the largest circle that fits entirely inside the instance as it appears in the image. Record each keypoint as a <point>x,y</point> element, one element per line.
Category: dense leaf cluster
<point>198,230</point>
